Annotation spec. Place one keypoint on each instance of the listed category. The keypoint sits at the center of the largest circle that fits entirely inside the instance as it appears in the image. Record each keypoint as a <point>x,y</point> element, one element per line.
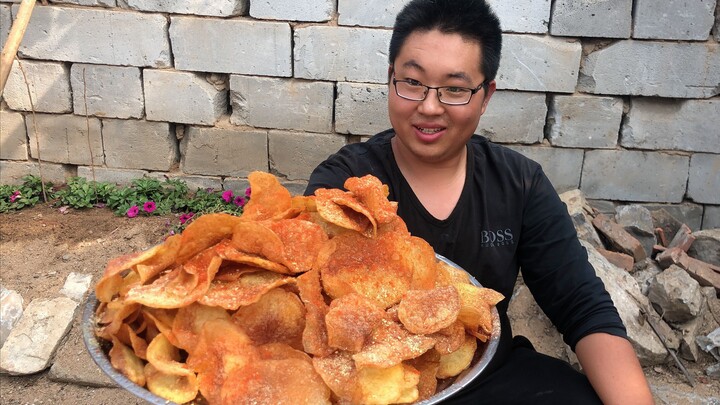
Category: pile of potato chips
<point>301,300</point>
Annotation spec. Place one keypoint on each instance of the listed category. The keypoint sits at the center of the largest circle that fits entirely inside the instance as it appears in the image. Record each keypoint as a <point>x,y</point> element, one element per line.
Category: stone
<point>644,273</point>
<point>49,84</point>
<point>369,13</point>
<point>98,36</point>
<point>524,16</point>
<point>704,181</point>
<point>108,91</point>
<point>134,144</point>
<point>618,237</point>
<point>620,260</point>
<point>182,97</point>
<point>710,343</point>
<point>308,10</point>
<point>683,239</point>
<point>76,285</point>
<point>13,172</point>
<point>305,105</point>
<point>294,155</point>
<point>677,294</point>
<point>562,166</point>
<point>673,19</point>
<point>65,139</point>
<point>193,183</point>
<point>585,121</point>
<point>5,22</point>
<point>527,319</point>
<point>11,310</point>
<point>637,221</point>
<point>581,213</point>
<point>711,217</point>
<point>213,8</point>
<point>647,68</point>
<point>13,137</point>
<point>261,47</point>
<point>713,302</point>
<point>604,206</point>
<point>224,152</point>
<point>514,117</point>
<point>704,273</point>
<point>341,54</point>
<point>361,109</point>
<point>114,176</point>
<point>537,63</point>
<point>690,330</point>
<point>101,3</point>
<point>685,213</point>
<point>34,340</point>
<point>689,125</point>
<point>622,175</point>
<point>592,18</point>
<point>706,246</point>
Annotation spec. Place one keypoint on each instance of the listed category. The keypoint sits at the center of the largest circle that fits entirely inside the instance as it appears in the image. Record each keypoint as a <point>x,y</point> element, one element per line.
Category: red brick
<point>619,237</point>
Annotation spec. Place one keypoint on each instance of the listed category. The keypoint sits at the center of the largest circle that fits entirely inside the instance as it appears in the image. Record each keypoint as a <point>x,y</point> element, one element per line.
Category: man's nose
<point>431,105</point>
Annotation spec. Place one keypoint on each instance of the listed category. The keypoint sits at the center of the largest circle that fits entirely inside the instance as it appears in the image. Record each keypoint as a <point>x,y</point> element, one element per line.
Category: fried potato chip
<point>314,338</point>
<point>339,373</point>
<point>351,320</point>
<point>475,308</point>
<point>279,351</point>
<point>163,258</point>
<point>124,360</point>
<point>390,344</point>
<point>228,251</point>
<point>449,339</point>
<point>423,262</point>
<point>278,316</point>
<point>304,203</point>
<point>230,271</point>
<point>450,275</point>
<point>342,209</point>
<point>454,363</point>
<point>393,385</point>
<point>189,322</point>
<point>165,357</point>
<point>427,364</point>
<point>128,336</point>
<point>247,289</point>
<point>116,313</point>
<point>204,232</point>
<point>301,241</point>
<point>269,198</point>
<point>175,388</point>
<point>428,311</point>
<point>373,194</point>
<point>161,320</point>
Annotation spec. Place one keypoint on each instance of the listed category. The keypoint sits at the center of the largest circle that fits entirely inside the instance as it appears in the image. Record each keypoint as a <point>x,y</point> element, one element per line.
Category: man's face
<point>428,130</point>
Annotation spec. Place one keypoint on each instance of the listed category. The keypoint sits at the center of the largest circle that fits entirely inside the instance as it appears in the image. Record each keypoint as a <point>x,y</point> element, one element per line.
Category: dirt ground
<point>40,246</point>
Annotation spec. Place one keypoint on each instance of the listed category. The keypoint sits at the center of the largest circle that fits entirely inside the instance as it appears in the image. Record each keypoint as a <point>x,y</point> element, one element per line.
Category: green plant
<point>80,193</point>
<point>27,194</point>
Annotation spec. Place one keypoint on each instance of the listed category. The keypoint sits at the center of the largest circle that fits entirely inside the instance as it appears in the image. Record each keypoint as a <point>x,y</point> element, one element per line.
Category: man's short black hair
<point>471,19</point>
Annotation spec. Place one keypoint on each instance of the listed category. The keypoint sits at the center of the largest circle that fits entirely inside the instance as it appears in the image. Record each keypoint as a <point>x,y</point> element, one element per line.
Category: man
<point>488,209</point>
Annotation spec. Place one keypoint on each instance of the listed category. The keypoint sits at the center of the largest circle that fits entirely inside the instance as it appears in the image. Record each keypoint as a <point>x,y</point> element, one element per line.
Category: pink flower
<point>239,201</point>
<point>133,211</point>
<point>227,196</point>
<point>248,192</point>
<point>15,195</point>
<point>149,206</point>
<point>186,217</point>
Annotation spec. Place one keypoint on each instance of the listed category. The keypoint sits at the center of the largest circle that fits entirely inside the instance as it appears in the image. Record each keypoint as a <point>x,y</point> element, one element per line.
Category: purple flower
<point>227,196</point>
<point>186,217</point>
<point>133,211</point>
<point>15,195</point>
<point>239,201</point>
<point>149,206</point>
<point>248,192</point>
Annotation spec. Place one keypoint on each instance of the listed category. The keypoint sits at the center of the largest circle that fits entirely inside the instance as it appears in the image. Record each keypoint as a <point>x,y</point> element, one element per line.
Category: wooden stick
<point>13,40</point>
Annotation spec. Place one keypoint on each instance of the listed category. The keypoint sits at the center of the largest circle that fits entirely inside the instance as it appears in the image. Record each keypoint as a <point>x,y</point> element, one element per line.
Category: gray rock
<point>644,273</point>
<point>706,246</point>
<point>34,340</point>
<point>580,211</point>
<point>637,221</point>
<point>73,363</point>
<point>710,343</point>
<point>690,330</point>
<point>677,294</point>
<point>76,285</point>
<point>713,371</point>
<point>11,310</point>
<point>685,213</point>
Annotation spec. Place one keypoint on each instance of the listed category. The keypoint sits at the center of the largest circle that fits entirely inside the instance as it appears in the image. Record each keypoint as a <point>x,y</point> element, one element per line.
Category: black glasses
<point>451,95</point>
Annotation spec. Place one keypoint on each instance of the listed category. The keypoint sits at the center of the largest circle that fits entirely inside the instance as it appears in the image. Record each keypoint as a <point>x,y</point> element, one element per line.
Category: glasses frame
<point>438,89</point>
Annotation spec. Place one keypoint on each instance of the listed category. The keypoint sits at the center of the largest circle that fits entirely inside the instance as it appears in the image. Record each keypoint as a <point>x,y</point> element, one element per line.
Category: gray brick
<point>109,91</point>
<point>134,144</point>
<point>97,36</point>
<point>114,176</point>
<point>214,8</point>
<point>562,166</point>
<point>514,117</point>
<point>711,217</point>
<point>101,3</point>
<point>256,101</point>
<point>193,183</point>
<point>633,176</point>
<point>361,109</point>
<point>5,22</point>
<point>64,139</point>
<point>49,84</point>
<point>182,97</point>
<point>341,54</point>
<point>592,18</point>
<point>673,19</point>
<point>531,16</point>
<point>585,121</point>
<point>704,182</point>
<point>13,172</point>
<point>369,13</point>
<point>224,152</point>
<point>13,138</point>
<point>716,30</point>
<point>687,213</point>
<point>539,64</point>
<point>295,187</point>
<point>236,185</point>
<point>295,155</point>
<point>257,48</point>
<point>690,125</point>
<point>307,10</point>
<point>649,68</point>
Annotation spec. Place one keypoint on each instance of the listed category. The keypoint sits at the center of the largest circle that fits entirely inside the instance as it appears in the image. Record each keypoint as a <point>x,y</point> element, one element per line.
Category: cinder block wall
<point>616,97</point>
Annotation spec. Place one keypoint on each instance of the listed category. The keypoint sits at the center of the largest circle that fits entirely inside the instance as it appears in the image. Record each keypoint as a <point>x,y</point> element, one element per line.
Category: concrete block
<point>49,84</point>
<point>592,18</point>
<point>13,136</point>
<point>235,184</point>
<point>562,166</point>
<point>308,10</point>
<point>704,182</point>
<point>514,117</point>
<point>65,139</point>
<point>256,101</point>
<point>182,97</point>
<point>634,176</point>
<point>539,64</point>
<point>647,68</point>
<point>5,22</point>
<point>134,144</point>
<point>224,152</point>
<point>101,3</point>
<point>691,125</point>
<point>585,121</point>
<point>13,172</point>
<point>96,36</point>
<point>716,30</point>
<point>257,48</point>
<point>108,91</point>
<point>194,183</point>
<point>295,155</point>
<point>369,13</point>
<point>213,8</point>
<point>108,175</point>
<point>673,19</point>
<point>711,217</point>
<point>361,109</point>
<point>526,16</point>
<point>341,54</point>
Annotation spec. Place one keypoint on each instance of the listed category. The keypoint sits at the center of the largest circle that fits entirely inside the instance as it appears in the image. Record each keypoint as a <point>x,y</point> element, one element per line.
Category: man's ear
<point>489,91</point>
<point>390,72</point>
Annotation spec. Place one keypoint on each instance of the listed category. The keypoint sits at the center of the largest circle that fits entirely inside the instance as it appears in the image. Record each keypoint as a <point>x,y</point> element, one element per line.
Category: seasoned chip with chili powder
<point>342,209</point>
<point>351,320</point>
<point>449,339</point>
<point>339,373</point>
<point>373,194</point>
<point>390,344</point>
<point>427,365</point>
<point>190,320</point>
<point>278,316</point>
<point>125,361</point>
<point>314,338</point>
<point>229,252</point>
<point>392,385</point>
<point>173,387</point>
<point>428,311</point>
<point>301,241</point>
<point>166,357</point>
<point>475,308</point>
<point>247,289</point>
<point>204,232</point>
<point>454,363</point>
<point>269,198</point>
